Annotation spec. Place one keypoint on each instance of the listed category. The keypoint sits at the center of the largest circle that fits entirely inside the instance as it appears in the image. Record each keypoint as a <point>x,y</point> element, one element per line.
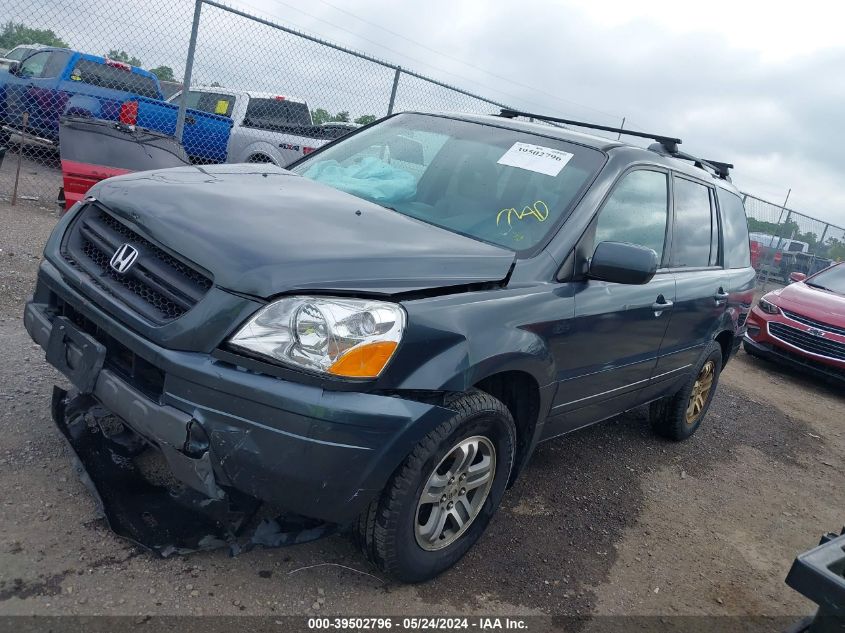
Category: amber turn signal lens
<point>365,361</point>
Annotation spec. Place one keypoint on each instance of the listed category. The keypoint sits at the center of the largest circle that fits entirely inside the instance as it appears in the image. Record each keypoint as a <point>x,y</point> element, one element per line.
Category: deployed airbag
<point>372,179</point>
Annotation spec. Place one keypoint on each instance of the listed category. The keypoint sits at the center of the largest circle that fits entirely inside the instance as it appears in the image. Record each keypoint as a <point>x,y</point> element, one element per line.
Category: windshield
<point>507,187</point>
<point>832,279</point>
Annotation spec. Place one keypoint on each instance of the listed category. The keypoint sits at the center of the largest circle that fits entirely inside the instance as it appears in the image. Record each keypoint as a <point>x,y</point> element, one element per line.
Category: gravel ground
<point>40,176</point>
<point>608,520</point>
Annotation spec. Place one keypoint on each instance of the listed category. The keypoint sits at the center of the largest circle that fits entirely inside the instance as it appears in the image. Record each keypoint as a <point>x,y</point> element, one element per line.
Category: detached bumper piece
<point>160,498</point>
<point>819,575</point>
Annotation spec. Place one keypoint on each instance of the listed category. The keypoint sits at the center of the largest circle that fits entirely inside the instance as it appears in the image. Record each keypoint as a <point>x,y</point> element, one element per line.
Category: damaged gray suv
<point>378,337</point>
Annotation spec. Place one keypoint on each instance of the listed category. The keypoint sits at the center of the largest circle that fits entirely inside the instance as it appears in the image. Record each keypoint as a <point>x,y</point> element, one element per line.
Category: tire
<point>669,415</point>
<point>387,532</point>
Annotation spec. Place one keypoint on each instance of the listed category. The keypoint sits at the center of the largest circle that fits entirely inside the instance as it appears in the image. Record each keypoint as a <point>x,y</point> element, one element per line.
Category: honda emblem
<point>123,258</point>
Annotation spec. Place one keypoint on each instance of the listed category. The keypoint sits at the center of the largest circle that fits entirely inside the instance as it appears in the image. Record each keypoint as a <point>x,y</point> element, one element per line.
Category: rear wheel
<point>439,502</point>
<point>678,416</point>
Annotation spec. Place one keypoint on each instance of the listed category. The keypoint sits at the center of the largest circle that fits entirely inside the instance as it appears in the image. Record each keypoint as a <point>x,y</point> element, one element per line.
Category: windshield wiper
<point>819,286</point>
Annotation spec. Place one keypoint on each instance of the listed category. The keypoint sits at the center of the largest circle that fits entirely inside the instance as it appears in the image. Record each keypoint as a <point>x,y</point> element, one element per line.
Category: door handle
<point>661,304</point>
<point>721,296</point>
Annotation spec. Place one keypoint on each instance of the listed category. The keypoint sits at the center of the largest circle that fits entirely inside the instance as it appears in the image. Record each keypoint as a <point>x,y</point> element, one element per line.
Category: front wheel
<point>440,500</point>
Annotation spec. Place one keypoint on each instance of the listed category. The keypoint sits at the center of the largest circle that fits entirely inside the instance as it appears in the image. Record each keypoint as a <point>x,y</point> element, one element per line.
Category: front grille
<point>158,286</point>
<point>813,323</point>
<point>807,342</point>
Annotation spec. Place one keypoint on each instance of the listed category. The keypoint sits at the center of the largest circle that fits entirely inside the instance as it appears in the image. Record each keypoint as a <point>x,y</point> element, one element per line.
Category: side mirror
<point>796,276</point>
<point>14,68</point>
<point>623,263</point>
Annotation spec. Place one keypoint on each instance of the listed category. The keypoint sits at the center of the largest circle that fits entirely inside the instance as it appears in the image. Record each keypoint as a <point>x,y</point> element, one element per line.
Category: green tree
<point>320,116</point>
<point>123,56</point>
<point>164,73</point>
<point>365,119</point>
<point>14,34</point>
<point>835,248</point>
<point>342,117</point>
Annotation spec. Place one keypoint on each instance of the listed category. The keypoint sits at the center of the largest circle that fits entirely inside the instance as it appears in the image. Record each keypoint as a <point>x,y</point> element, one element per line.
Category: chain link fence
<point>259,92</point>
<point>784,241</point>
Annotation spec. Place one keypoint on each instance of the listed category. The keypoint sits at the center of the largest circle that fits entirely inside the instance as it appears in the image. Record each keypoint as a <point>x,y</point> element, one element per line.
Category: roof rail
<point>720,169</point>
<point>668,143</point>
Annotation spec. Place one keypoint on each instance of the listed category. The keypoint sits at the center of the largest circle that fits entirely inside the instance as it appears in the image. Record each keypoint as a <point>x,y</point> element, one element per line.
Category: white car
<point>17,54</point>
<point>267,127</point>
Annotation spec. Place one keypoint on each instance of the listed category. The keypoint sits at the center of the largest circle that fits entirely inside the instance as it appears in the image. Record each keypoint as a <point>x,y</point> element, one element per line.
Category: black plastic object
<point>623,263</point>
<point>819,575</point>
<point>171,517</point>
<point>99,142</point>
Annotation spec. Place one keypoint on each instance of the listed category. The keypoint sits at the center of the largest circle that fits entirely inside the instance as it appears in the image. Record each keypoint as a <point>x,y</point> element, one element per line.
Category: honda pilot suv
<point>380,336</point>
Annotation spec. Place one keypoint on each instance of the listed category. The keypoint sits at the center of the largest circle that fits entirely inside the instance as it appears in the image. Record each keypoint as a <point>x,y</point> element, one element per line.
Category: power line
<point>419,61</point>
<point>464,62</point>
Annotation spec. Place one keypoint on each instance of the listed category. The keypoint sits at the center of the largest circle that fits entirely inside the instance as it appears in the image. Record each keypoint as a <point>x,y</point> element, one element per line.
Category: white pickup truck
<point>267,127</point>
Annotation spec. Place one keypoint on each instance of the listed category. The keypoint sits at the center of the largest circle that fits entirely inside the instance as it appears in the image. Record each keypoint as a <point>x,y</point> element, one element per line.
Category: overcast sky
<point>753,83</point>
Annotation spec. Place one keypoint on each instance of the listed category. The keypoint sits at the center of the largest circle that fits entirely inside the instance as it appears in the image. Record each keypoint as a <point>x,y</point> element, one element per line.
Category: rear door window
<point>55,64</point>
<point>99,74</point>
<point>695,225</point>
<point>637,211</point>
<point>734,231</point>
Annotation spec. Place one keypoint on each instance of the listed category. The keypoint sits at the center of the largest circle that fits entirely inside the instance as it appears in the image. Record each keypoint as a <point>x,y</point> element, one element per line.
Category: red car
<point>803,324</point>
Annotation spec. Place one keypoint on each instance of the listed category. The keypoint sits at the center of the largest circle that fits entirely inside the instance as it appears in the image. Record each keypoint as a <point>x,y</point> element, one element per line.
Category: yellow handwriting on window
<point>538,210</point>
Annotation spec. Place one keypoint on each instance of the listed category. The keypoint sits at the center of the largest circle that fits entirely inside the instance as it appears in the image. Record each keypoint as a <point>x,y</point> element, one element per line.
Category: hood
<point>817,304</point>
<point>261,230</point>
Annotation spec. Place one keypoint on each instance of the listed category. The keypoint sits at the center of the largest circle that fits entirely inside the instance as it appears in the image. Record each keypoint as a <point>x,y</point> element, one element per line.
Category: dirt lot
<point>610,520</point>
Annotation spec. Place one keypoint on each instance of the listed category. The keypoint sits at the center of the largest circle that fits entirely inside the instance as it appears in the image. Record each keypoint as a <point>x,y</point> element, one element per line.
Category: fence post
<point>393,91</point>
<point>189,68</point>
<point>824,234</point>
<point>770,260</point>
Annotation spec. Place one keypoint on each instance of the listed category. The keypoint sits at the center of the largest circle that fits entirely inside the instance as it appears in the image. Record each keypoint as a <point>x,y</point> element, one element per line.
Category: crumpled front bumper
<point>221,428</point>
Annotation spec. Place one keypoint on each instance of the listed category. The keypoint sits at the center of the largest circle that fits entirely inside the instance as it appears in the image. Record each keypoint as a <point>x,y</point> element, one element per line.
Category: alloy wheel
<point>455,492</point>
<point>701,391</point>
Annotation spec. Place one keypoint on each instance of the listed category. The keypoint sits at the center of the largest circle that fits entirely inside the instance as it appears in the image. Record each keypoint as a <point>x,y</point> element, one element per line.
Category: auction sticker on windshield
<point>543,160</point>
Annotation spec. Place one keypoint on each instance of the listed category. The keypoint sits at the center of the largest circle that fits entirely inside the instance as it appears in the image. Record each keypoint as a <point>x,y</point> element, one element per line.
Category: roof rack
<point>667,145</point>
<point>720,169</point>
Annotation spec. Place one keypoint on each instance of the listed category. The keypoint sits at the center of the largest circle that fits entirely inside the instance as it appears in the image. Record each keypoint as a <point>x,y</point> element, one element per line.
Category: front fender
<point>454,342</point>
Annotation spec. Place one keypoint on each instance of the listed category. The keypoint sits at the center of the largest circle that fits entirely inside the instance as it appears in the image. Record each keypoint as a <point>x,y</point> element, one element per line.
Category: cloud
<point>751,83</point>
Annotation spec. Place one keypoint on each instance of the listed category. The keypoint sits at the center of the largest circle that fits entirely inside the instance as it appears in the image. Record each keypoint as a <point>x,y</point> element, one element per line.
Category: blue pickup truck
<point>55,81</point>
<point>52,82</point>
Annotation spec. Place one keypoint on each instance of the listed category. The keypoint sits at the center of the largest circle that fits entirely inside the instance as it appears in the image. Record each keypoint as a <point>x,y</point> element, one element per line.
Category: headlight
<point>354,338</point>
<point>768,307</point>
